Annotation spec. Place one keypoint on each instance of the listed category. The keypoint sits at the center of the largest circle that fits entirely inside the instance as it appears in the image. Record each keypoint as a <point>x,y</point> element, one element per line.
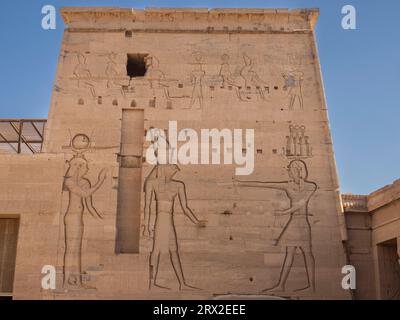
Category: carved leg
<point>309,263</point>
<point>200,101</point>
<point>301,100</point>
<point>292,101</point>
<point>286,267</point>
<point>193,98</point>
<point>153,270</point>
<point>176,263</point>
<point>73,248</point>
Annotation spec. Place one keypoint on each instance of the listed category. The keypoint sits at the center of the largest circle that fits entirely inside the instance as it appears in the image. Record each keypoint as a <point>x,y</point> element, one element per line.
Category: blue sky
<point>360,67</point>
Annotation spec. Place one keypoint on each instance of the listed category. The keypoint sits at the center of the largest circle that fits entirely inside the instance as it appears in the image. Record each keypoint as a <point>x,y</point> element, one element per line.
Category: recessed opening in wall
<point>129,182</point>
<point>8,252</point>
<point>136,65</point>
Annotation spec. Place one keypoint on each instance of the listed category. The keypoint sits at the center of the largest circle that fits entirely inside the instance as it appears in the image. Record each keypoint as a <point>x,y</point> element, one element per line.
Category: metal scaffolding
<point>21,135</point>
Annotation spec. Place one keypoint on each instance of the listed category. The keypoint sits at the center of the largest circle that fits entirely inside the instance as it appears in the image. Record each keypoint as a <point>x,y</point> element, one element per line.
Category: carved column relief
<point>298,143</point>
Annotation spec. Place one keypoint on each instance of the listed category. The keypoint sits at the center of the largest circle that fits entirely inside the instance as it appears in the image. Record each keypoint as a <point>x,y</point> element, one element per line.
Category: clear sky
<point>360,67</point>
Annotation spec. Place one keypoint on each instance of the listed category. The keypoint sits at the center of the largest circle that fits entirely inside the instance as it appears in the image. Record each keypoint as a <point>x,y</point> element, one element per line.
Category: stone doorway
<point>389,270</point>
<point>8,252</point>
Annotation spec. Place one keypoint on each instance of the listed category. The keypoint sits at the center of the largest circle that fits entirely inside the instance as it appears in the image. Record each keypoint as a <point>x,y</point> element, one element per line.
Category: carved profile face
<point>225,58</point>
<point>247,60</point>
<point>113,56</point>
<point>164,171</point>
<point>297,171</point>
<point>171,170</point>
<point>167,171</point>
<point>197,56</point>
<point>151,62</point>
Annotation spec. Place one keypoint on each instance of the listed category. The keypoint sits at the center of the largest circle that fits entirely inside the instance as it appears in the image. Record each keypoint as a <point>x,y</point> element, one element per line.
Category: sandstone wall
<point>31,191</point>
<point>235,69</point>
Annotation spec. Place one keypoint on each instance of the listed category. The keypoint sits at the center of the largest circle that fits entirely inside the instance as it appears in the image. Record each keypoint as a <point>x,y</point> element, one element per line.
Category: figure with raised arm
<point>251,77</point>
<point>293,84</point>
<point>83,74</point>
<point>296,234</point>
<point>80,193</point>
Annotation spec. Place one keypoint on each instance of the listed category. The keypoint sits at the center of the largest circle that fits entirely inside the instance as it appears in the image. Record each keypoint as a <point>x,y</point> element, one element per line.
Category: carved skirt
<point>165,239</point>
<point>296,232</point>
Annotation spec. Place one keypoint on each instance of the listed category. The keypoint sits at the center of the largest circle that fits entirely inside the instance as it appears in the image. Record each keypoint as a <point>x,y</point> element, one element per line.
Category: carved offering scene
<point>295,234</point>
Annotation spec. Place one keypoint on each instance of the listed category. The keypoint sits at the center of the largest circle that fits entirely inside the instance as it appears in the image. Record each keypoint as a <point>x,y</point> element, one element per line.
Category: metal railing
<point>21,135</point>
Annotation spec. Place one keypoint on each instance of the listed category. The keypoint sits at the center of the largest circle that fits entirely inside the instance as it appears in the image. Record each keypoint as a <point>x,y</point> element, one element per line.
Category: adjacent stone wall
<point>31,190</point>
<point>373,242</point>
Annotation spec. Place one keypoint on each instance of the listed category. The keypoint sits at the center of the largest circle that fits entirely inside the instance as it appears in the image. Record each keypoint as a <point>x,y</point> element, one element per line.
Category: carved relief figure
<point>225,71</point>
<point>113,74</point>
<point>83,74</point>
<point>296,234</point>
<point>228,79</point>
<point>164,190</point>
<point>80,191</point>
<point>251,77</point>
<point>293,84</point>
<point>156,77</point>
<point>196,79</point>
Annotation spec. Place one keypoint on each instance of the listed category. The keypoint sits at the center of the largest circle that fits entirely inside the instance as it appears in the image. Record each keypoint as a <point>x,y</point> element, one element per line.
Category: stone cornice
<point>373,201</point>
<point>384,196</point>
<point>354,203</point>
<point>188,19</point>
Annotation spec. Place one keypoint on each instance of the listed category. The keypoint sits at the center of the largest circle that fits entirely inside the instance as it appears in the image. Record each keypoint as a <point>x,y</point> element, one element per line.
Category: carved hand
<point>201,223</point>
<point>103,174</point>
<point>282,212</point>
<point>235,181</point>
<point>146,231</point>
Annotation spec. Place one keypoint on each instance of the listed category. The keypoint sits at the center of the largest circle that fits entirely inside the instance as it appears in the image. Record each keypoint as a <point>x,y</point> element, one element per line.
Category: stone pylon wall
<point>223,69</point>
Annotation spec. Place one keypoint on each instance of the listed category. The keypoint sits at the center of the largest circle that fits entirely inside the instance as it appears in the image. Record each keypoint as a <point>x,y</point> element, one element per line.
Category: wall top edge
<point>384,196</point>
<point>372,201</point>
<point>81,17</point>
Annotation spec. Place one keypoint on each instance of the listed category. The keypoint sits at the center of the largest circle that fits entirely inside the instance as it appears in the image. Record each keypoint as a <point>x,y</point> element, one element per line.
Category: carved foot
<point>160,286</point>
<point>187,287</point>
<point>277,288</point>
<point>305,289</point>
